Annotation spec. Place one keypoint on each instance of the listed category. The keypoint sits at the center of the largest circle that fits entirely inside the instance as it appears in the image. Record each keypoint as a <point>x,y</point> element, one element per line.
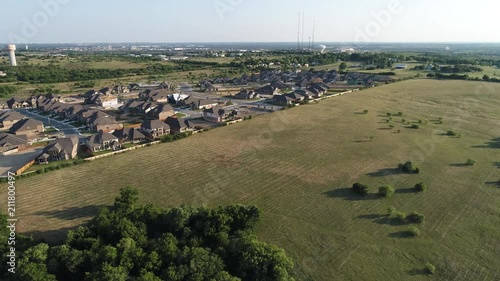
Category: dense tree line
<point>136,242</point>
<point>56,74</point>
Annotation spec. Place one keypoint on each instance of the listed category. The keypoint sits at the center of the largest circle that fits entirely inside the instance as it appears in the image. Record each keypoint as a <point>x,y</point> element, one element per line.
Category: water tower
<point>12,54</point>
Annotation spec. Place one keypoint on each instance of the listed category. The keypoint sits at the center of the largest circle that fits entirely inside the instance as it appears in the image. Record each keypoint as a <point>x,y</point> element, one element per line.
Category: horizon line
<point>262,42</point>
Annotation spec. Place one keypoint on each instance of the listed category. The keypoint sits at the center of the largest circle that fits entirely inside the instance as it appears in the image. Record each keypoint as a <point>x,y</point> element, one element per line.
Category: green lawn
<point>297,166</point>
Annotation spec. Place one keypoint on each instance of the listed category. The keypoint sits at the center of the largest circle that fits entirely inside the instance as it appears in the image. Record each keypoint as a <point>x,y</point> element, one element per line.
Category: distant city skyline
<point>205,21</point>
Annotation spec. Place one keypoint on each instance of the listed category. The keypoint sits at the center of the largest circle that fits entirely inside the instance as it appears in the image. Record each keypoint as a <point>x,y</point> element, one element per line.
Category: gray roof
<point>99,138</point>
<point>176,123</point>
<point>11,116</point>
<point>13,140</point>
<point>154,124</point>
<point>67,145</point>
<point>25,125</point>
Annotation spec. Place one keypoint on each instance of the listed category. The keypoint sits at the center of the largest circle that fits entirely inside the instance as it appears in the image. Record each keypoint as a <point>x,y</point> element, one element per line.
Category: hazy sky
<point>75,21</point>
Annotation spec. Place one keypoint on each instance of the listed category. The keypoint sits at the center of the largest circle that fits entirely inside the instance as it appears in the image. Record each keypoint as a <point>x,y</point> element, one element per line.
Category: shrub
<point>400,216</point>
<point>420,121</point>
<point>400,113</point>
<point>451,133</point>
<point>430,268</point>
<point>415,126</point>
<point>360,189</point>
<point>391,126</point>
<point>413,231</point>
<point>391,210</point>
<point>420,187</point>
<point>470,162</point>
<point>415,217</point>
<point>389,114</point>
<point>409,167</point>
<point>403,120</point>
<point>386,191</point>
<point>365,111</point>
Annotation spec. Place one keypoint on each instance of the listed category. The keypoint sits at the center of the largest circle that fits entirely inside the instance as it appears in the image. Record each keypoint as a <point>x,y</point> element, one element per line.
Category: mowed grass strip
<point>297,166</point>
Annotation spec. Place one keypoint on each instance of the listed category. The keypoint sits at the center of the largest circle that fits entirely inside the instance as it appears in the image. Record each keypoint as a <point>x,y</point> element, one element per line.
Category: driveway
<point>15,161</point>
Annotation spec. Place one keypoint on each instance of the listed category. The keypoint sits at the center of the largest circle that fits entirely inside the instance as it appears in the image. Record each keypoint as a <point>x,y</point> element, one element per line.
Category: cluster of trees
<point>8,91</point>
<point>57,74</point>
<point>136,242</point>
<point>412,218</point>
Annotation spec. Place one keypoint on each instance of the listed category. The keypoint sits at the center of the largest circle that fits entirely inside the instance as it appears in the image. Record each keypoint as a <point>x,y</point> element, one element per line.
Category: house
<point>9,142</point>
<point>59,149</point>
<point>9,118</point>
<point>282,100</point>
<point>247,95</point>
<point>204,104</point>
<point>73,111</point>
<point>295,97</point>
<point>190,101</point>
<point>102,141</point>
<point>29,127</point>
<point>121,89</point>
<point>178,125</point>
<point>134,107</point>
<point>17,103</point>
<point>267,90</point>
<point>132,135</point>
<point>155,128</point>
<point>217,114</point>
<point>108,100</point>
<point>306,94</point>
<point>177,98</point>
<point>100,121</point>
<point>158,95</point>
<point>161,112</point>
<point>280,85</point>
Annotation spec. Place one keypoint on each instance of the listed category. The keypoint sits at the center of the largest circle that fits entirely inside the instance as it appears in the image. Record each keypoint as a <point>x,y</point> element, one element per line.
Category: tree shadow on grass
<point>417,271</point>
<point>387,220</point>
<point>50,236</point>
<point>348,194</point>
<point>385,172</point>
<point>371,216</point>
<point>494,143</point>
<point>73,213</point>
<point>493,183</point>
<point>410,190</point>
<point>459,165</point>
<point>401,234</point>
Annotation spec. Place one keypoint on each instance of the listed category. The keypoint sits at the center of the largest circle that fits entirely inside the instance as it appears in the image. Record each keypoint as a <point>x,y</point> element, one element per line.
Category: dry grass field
<point>296,165</point>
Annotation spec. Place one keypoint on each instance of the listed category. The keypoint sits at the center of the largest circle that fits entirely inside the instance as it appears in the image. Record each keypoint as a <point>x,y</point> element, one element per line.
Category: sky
<point>165,21</point>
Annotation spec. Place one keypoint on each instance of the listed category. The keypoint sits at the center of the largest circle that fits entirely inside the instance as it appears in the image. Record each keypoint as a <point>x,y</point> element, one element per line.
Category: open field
<point>296,165</point>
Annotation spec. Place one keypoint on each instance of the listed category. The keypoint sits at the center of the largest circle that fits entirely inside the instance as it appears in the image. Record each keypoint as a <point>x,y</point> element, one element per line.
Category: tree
<point>486,78</point>
<point>127,199</point>
<point>386,191</point>
<point>420,187</point>
<point>470,162</point>
<point>342,67</point>
<point>415,217</point>
<point>132,242</point>
<point>360,189</point>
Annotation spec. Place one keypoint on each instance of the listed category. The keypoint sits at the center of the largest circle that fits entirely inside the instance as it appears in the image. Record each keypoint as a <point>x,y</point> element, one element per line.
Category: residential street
<point>68,130</point>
